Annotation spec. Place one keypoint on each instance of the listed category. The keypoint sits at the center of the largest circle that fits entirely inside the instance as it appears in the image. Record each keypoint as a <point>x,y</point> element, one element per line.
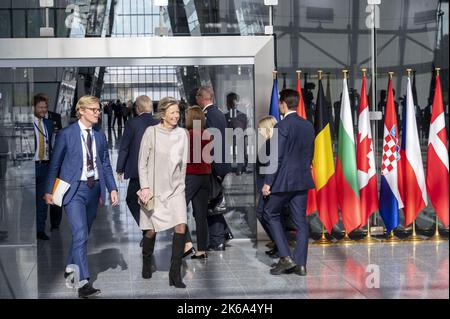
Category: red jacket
<point>202,165</point>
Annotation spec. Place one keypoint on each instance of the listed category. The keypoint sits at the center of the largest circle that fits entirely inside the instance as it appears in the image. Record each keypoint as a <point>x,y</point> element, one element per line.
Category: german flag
<point>323,164</point>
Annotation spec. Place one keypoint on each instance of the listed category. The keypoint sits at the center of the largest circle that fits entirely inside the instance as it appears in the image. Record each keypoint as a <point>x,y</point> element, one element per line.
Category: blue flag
<point>273,110</point>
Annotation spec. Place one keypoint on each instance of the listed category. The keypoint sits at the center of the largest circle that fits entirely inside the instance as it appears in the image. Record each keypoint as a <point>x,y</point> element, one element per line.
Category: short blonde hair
<point>84,101</point>
<point>144,104</point>
<point>195,113</point>
<point>265,126</point>
<point>163,105</point>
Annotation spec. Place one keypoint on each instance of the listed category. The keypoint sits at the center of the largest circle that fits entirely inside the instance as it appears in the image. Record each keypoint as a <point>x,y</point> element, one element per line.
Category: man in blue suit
<point>43,133</point>
<point>81,158</point>
<point>127,162</point>
<point>215,119</point>
<point>290,184</point>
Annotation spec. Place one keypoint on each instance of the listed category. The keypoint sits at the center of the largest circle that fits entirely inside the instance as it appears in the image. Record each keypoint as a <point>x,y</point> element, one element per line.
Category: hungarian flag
<point>273,108</point>
<point>390,201</point>
<point>412,187</point>
<point>437,158</point>
<point>323,165</point>
<point>365,160</point>
<point>346,173</point>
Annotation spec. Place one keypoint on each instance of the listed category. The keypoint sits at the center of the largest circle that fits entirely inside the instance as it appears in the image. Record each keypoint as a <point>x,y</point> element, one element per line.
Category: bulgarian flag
<point>346,173</point>
<point>323,165</point>
<point>437,158</point>
<point>365,160</point>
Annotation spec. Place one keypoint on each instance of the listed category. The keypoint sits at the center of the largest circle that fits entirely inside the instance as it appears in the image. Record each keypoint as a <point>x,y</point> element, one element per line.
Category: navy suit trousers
<point>81,212</point>
<point>41,169</point>
<point>273,207</point>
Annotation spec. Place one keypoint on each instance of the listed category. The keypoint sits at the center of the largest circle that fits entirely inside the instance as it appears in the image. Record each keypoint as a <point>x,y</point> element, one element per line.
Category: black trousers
<point>132,198</point>
<point>55,216</point>
<point>197,191</point>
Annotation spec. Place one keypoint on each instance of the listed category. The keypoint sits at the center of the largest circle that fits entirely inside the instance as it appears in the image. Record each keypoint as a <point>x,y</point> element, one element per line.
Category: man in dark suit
<point>81,159</point>
<point>127,162</point>
<point>237,120</point>
<point>43,133</point>
<point>290,183</point>
<point>215,119</point>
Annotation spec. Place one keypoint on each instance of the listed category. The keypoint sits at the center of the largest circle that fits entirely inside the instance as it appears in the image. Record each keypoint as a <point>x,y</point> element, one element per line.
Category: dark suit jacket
<point>216,119</point>
<point>295,154</point>
<point>67,162</point>
<point>50,130</point>
<point>56,119</point>
<point>130,143</point>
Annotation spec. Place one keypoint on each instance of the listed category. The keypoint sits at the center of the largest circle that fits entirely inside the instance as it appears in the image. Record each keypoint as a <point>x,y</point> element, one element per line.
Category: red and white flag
<point>412,187</point>
<point>365,160</point>
<point>437,159</point>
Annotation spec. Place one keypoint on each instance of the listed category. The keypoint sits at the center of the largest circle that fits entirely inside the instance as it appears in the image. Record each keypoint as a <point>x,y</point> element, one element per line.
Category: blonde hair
<point>163,105</point>
<point>195,113</point>
<point>144,104</point>
<point>84,101</point>
<point>265,126</point>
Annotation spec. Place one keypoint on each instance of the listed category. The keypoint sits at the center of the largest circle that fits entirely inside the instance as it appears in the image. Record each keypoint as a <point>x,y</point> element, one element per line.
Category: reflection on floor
<point>28,270</point>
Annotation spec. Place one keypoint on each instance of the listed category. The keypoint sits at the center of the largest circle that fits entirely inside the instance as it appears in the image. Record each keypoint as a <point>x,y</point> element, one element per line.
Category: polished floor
<point>30,270</point>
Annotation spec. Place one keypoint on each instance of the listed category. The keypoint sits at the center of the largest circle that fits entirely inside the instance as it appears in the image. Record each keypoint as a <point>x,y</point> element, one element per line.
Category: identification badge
<point>90,174</point>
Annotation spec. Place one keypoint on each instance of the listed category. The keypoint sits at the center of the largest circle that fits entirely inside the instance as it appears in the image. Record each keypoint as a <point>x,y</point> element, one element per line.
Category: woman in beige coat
<point>162,170</point>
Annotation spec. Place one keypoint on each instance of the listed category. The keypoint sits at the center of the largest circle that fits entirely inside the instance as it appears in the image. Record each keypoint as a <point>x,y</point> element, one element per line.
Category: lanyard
<point>42,133</point>
<point>88,153</point>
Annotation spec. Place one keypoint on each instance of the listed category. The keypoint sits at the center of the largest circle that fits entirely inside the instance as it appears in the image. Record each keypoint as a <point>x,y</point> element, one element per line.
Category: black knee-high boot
<point>175,264</point>
<point>148,246</point>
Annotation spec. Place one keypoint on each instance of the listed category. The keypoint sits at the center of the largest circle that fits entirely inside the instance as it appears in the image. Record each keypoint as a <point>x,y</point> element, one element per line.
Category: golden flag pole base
<point>392,239</point>
<point>346,241</point>
<point>368,240</point>
<point>414,238</point>
<point>437,238</point>
<point>323,241</point>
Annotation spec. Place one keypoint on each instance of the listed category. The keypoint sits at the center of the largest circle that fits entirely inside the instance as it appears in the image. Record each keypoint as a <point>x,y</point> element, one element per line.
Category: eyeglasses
<point>93,109</point>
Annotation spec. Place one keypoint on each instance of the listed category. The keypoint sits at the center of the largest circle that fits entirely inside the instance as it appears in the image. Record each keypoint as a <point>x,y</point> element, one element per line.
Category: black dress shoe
<point>229,236</point>
<point>273,253</point>
<point>202,256</point>
<point>190,251</point>
<point>42,235</point>
<point>284,265</point>
<point>220,247</point>
<point>300,270</point>
<point>87,291</point>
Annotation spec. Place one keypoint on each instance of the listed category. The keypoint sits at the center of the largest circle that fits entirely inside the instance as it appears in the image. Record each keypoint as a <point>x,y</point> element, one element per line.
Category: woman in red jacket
<point>198,173</point>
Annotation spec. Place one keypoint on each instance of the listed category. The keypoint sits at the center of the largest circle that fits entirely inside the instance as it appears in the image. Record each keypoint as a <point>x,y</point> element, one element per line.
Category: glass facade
<point>310,35</point>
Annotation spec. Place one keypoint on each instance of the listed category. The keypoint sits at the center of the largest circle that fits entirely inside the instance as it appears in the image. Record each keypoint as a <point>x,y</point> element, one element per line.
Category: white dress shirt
<point>84,148</point>
<point>37,134</point>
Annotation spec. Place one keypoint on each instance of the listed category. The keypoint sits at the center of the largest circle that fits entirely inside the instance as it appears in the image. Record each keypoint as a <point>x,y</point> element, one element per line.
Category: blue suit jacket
<point>295,154</point>
<point>216,119</point>
<point>127,162</point>
<point>67,162</point>
<point>50,130</point>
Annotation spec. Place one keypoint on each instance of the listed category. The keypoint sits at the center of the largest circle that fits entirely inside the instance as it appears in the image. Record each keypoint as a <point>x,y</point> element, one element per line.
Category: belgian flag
<point>323,164</point>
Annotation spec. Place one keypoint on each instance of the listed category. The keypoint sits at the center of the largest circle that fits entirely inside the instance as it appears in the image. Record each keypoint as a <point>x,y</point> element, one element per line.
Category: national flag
<point>390,201</point>
<point>323,165</point>
<point>437,158</point>
<point>346,172</point>
<point>301,103</point>
<point>412,187</point>
<point>365,160</point>
<point>273,108</point>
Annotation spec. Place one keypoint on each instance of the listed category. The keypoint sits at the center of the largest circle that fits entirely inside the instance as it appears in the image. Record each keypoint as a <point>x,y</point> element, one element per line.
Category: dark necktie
<point>90,160</point>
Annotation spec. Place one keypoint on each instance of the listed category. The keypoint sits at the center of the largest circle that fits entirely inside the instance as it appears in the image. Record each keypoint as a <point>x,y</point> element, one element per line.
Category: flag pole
<point>437,238</point>
<point>323,241</point>
<point>413,238</point>
<point>346,239</point>
<point>299,74</point>
<point>274,73</point>
<point>369,240</point>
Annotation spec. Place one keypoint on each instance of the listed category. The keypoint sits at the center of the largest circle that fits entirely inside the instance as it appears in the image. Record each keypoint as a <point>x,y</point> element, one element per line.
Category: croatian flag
<point>390,201</point>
